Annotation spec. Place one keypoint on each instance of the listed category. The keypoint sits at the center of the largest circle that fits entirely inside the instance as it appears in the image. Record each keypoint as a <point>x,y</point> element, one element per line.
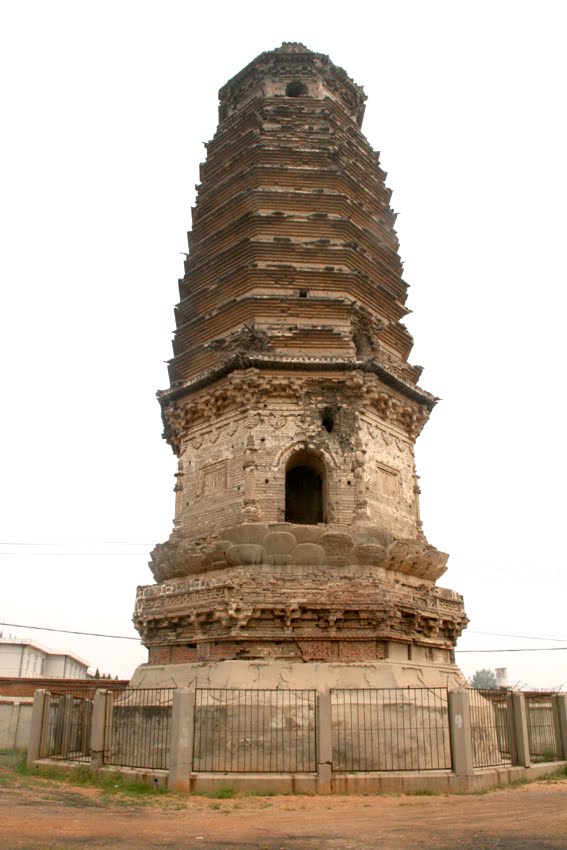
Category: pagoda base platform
<point>281,675</point>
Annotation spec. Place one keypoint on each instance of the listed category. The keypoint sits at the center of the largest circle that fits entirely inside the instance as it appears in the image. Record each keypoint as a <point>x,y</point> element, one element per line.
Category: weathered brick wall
<point>368,461</point>
<point>390,478</point>
<point>212,483</point>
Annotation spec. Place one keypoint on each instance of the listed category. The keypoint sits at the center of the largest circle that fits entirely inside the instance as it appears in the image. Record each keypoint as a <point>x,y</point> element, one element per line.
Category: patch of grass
<point>111,783</point>
<point>546,755</point>
<point>12,760</point>
<point>115,783</point>
<point>225,793</point>
<point>8,758</point>
<point>516,783</point>
<point>554,775</point>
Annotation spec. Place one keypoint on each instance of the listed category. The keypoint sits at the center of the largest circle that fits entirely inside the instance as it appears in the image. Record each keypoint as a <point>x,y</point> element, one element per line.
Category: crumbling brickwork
<point>292,406</point>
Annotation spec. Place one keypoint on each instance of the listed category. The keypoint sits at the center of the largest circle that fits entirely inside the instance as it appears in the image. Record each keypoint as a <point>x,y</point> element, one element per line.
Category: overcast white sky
<point>105,106</point>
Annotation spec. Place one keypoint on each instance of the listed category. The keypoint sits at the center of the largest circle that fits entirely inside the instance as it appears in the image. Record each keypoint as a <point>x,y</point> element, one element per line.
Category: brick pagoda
<point>292,407</point>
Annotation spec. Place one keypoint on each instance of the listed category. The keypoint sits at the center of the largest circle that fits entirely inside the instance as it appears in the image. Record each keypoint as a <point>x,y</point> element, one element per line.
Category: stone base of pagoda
<point>280,675</point>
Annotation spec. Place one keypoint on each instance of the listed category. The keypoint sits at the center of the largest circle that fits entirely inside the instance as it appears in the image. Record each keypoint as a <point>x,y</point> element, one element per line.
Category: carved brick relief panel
<point>389,482</point>
<point>213,479</point>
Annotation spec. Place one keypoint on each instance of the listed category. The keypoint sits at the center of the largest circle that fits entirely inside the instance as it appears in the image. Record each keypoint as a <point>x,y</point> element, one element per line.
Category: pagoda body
<point>292,406</point>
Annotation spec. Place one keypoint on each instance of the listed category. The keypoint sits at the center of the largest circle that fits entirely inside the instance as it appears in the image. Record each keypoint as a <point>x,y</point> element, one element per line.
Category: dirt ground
<point>53,816</point>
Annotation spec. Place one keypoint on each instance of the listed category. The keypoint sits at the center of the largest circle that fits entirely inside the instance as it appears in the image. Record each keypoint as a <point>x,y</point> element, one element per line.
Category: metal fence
<point>255,731</point>
<point>543,733</point>
<point>66,729</point>
<point>138,728</point>
<point>491,727</point>
<point>390,729</point>
<point>276,731</point>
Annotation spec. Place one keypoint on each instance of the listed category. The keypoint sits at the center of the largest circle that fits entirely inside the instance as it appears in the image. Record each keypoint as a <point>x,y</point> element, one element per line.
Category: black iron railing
<point>543,728</point>
<point>276,731</point>
<point>491,727</point>
<point>254,731</point>
<point>138,728</point>
<point>390,729</point>
<point>66,729</point>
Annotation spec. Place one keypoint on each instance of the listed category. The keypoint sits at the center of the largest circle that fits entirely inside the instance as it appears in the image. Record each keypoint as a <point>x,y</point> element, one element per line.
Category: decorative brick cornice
<point>234,605</point>
<point>251,379</point>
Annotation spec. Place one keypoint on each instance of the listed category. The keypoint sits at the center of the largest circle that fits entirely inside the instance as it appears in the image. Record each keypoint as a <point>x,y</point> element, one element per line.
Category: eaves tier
<point>293,236</point>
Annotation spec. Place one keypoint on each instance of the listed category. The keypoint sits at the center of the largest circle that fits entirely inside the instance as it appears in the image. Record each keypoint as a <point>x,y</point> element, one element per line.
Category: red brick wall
<point>14,686</point>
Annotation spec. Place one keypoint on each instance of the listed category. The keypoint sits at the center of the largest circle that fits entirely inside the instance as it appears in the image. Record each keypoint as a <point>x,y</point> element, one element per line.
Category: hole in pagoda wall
<point>328,419</point>
<point>296,89</point>
<point>305,487</point>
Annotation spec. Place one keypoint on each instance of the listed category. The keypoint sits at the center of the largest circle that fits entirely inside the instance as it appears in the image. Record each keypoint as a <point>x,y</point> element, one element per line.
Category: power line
<point>525,649</point>
<point>527,636</point>
<point>75,554</point>
<point>127,637</point>
<point>84,543</point>
<point>70,632</point>
<point>50,554</point>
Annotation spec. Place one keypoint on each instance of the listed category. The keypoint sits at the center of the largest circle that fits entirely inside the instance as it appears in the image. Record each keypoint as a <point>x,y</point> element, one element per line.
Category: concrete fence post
<point>460,733</point>
<point>324,742</point>
<point>560,714</point>
<point>181,750</point>
<point>37,726</point>
<point>98,728</point>
<point>521,747</point>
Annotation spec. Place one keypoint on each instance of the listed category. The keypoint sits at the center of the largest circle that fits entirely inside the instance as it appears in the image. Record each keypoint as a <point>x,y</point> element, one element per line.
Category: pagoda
<point>297,542</point>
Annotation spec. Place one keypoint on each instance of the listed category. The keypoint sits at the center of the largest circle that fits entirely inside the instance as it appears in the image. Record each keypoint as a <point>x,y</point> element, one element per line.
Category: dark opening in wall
<point>303,496</point>
<point>296,89</point>
<point>328,420</point>
<point>305,490</point>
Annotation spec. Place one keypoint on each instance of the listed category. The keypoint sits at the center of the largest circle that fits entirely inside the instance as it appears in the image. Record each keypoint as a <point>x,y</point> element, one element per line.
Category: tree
<point>484,679</point>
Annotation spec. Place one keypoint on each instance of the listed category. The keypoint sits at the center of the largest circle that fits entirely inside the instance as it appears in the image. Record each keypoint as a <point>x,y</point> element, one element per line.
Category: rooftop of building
<point>37,646</point>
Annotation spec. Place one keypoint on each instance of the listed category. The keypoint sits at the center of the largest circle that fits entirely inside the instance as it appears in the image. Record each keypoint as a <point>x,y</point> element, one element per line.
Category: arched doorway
<point>305,487</point>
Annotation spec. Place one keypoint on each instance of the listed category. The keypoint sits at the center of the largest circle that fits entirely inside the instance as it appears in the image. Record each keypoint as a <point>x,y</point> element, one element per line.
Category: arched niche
<point>305,488</point>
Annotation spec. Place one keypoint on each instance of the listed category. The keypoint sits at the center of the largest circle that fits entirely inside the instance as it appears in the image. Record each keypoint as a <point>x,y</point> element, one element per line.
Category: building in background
<point>26,659</point>
<point>24,665</point>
